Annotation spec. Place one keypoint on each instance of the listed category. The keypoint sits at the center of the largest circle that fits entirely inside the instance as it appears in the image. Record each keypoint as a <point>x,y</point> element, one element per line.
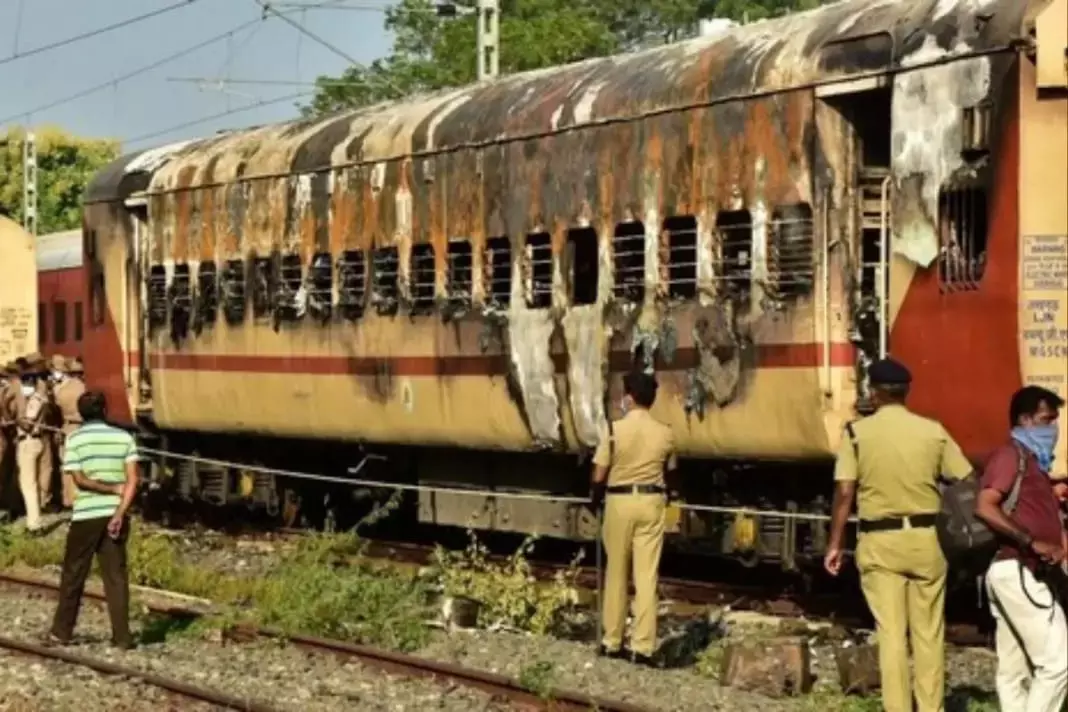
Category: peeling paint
<point>586,345</point>
<point>529,335</point>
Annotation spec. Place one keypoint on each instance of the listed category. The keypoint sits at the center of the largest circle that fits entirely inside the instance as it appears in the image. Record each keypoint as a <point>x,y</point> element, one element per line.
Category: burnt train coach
<point>456,282</point>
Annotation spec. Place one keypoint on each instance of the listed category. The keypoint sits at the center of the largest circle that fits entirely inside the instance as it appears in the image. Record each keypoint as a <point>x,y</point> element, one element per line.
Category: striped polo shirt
<point>100,452</point>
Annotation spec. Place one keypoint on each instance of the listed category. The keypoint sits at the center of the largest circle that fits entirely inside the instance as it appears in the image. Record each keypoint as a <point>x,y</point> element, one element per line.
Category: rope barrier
<point>494,494</point>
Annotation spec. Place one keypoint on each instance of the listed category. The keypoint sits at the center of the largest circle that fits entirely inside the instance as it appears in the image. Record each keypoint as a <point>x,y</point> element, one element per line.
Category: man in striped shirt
<point>102,461</point>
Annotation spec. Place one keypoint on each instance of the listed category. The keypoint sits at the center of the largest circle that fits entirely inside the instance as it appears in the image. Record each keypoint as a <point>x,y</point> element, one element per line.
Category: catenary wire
<point>219,115</point>
<point>16,55</point>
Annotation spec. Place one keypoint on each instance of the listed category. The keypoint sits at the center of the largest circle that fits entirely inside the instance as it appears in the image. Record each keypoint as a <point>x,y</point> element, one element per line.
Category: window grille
<point>539,269</point>
<point>628,260</point>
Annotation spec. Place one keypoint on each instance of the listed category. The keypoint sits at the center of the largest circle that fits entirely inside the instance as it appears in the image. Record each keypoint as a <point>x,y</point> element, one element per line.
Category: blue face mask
<point>1040,440</point>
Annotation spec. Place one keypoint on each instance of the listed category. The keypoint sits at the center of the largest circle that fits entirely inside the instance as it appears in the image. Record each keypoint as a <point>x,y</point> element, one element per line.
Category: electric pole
<point>489,30</point>
<point>29,183</point>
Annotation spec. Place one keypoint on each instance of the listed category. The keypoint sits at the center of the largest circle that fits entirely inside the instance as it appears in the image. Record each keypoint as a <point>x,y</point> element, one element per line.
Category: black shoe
<point>644,660</point>
<point>36,533</point>
<point>603,652</point>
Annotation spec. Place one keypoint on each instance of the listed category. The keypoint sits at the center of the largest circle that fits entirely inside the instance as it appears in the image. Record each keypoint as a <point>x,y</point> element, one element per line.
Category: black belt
<point>913,521</point>
<point>636,489</point>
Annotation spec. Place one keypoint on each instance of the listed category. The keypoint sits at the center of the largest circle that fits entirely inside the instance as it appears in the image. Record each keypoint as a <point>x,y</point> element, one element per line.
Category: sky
<point>148,109</point>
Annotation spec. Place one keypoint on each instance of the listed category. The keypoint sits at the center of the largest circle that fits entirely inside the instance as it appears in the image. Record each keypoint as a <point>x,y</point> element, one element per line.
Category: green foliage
<point>65,165</point>
<point>431,53</point>
<point>508,591</point>
<point>538,678</point>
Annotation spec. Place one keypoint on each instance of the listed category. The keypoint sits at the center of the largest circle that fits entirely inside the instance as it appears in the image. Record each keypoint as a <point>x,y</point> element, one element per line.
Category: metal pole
<point>29,183</point>
<point>489,25</point>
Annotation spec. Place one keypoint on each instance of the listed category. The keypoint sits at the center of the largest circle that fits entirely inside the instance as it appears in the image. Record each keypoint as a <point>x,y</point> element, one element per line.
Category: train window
<point>289,294</point>
<point>181,299</point>
<point>385,290</point>
<point>207,301</point>
<point>320,286</point>
<point>539,270</point>
<point>232,291</point>
<point>732,251</point>
<point>790,251</point>
<point>962,223</point>
<point>422,278</point>
<point>584,263</point>
<point>460,281</point>
<point>262,277</point>
<point>352,290</point>
<point>79,322</point>
<point>42,324</point>
<point>157,296</point>
<point>59,323</point>
<point>497,271</point>
<point>681,256</point>
<point>97,291</point>
<point>628,260</point>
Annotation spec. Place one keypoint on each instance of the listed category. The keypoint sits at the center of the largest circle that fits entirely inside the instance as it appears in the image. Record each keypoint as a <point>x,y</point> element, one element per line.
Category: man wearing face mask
<point>1032,637</point>
<point>31,404</point>
<point>629,467</point>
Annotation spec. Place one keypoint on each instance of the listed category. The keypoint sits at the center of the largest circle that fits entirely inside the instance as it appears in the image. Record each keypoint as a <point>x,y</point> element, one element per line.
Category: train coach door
<point>134,330</point>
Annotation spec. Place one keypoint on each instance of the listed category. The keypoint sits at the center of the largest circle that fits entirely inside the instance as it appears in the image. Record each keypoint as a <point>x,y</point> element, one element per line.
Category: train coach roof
<point>834,41</point>
<point>59,250</point>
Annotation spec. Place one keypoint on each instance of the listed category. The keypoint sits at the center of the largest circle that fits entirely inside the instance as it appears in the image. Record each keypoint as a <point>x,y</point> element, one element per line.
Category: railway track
<point>390,662</point>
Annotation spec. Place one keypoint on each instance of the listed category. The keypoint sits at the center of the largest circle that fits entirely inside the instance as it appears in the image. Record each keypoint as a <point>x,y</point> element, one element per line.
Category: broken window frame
<point>352,284</point>
<point>206,310</point>
<point>791,267</point>
<point>628,262</point>
<point>459,275</point>
<point>422,278</point>
<point>497,271</point>
<point>261,274</point>
<point>385,280</point>
<point>233,291</point>
<point>538,270</point>
<point>963,236</point>
<point>288,287</point>
<point>583,257</point>
<point>680,250</point>
<point>319,286</point>
<point>732,268</point>
<point>156,291</point>
<point>180,296</point>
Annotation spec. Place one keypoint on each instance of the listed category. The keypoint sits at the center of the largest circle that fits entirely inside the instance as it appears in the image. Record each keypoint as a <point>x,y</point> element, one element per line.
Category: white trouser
<point>1032,640</point>
<point>28,455</point>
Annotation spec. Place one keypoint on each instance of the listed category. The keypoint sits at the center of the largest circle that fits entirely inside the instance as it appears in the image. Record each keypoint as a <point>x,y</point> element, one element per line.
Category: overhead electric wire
<point>93,33</point>
<point>304,31</point>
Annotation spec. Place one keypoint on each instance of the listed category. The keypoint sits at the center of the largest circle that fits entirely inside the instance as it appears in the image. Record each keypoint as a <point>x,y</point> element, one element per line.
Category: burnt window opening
<point>497,271</point>
<point>732,253</point>
<point>681,259</point>
<point>207,302</point>
<point>97,292</point>
<point>791,266</point>
<point>262,277</point>
<point>628,260</point>
<point>539,270</point>
<point>157,296</point>
<point>232,292</point>
<point>962,227</point>
<point>42,324</point>
<point>320,287</point>
<point>460,275</point>
<point>79,322</point>
<point>181,299</point>
<point>385,287</point>
<point>422,279</point>
<point>59,323</point>
<point>584,262</point>
<point>290,296</point>
<point>352,284</point>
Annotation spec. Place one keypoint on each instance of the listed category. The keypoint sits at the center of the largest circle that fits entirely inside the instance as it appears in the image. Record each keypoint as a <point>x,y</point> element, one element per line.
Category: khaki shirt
<point>7,404</point>
<point>66,395</point>
<point>644,449</point>
<point>902,455</point>
<point>32,410</point>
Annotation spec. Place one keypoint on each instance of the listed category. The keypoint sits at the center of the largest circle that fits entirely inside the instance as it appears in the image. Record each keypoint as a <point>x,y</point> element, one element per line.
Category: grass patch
<point>538,677</point>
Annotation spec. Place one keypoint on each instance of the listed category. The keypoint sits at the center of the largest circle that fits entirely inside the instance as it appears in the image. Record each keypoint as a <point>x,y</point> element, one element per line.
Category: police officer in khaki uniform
<point>629,468</point>
<point>31,409</point>
<point>66,394</point>
<point>891,462</point>
<point>9,384</point>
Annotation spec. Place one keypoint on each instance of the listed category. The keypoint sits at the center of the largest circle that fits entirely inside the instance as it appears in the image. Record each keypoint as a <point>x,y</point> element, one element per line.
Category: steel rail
<point>108,668</point>
<point>561,700</point>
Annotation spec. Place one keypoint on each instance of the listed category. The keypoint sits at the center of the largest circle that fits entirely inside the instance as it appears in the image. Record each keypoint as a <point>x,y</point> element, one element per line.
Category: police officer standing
<point>891,462</point>
<point>31,409</point>
<point>66,394</point>
<point>9,374</point>
<point>629,468</point>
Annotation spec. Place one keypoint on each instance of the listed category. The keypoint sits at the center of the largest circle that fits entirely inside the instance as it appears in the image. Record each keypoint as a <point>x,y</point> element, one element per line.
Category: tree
<point>65,165</point>
<point>431,52</point>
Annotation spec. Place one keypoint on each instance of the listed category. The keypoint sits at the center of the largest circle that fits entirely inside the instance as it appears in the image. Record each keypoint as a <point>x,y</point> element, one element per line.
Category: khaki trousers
<point>903,575</point>
<point>70,490</point>
<point>44,473</point>
<point>29,453</point>
<point>633,536</point>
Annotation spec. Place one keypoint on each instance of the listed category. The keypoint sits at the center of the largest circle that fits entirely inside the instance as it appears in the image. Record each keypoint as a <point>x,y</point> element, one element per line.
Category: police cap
<point>888,372</point>
<point>9,369</point>
<point>75,366</point>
